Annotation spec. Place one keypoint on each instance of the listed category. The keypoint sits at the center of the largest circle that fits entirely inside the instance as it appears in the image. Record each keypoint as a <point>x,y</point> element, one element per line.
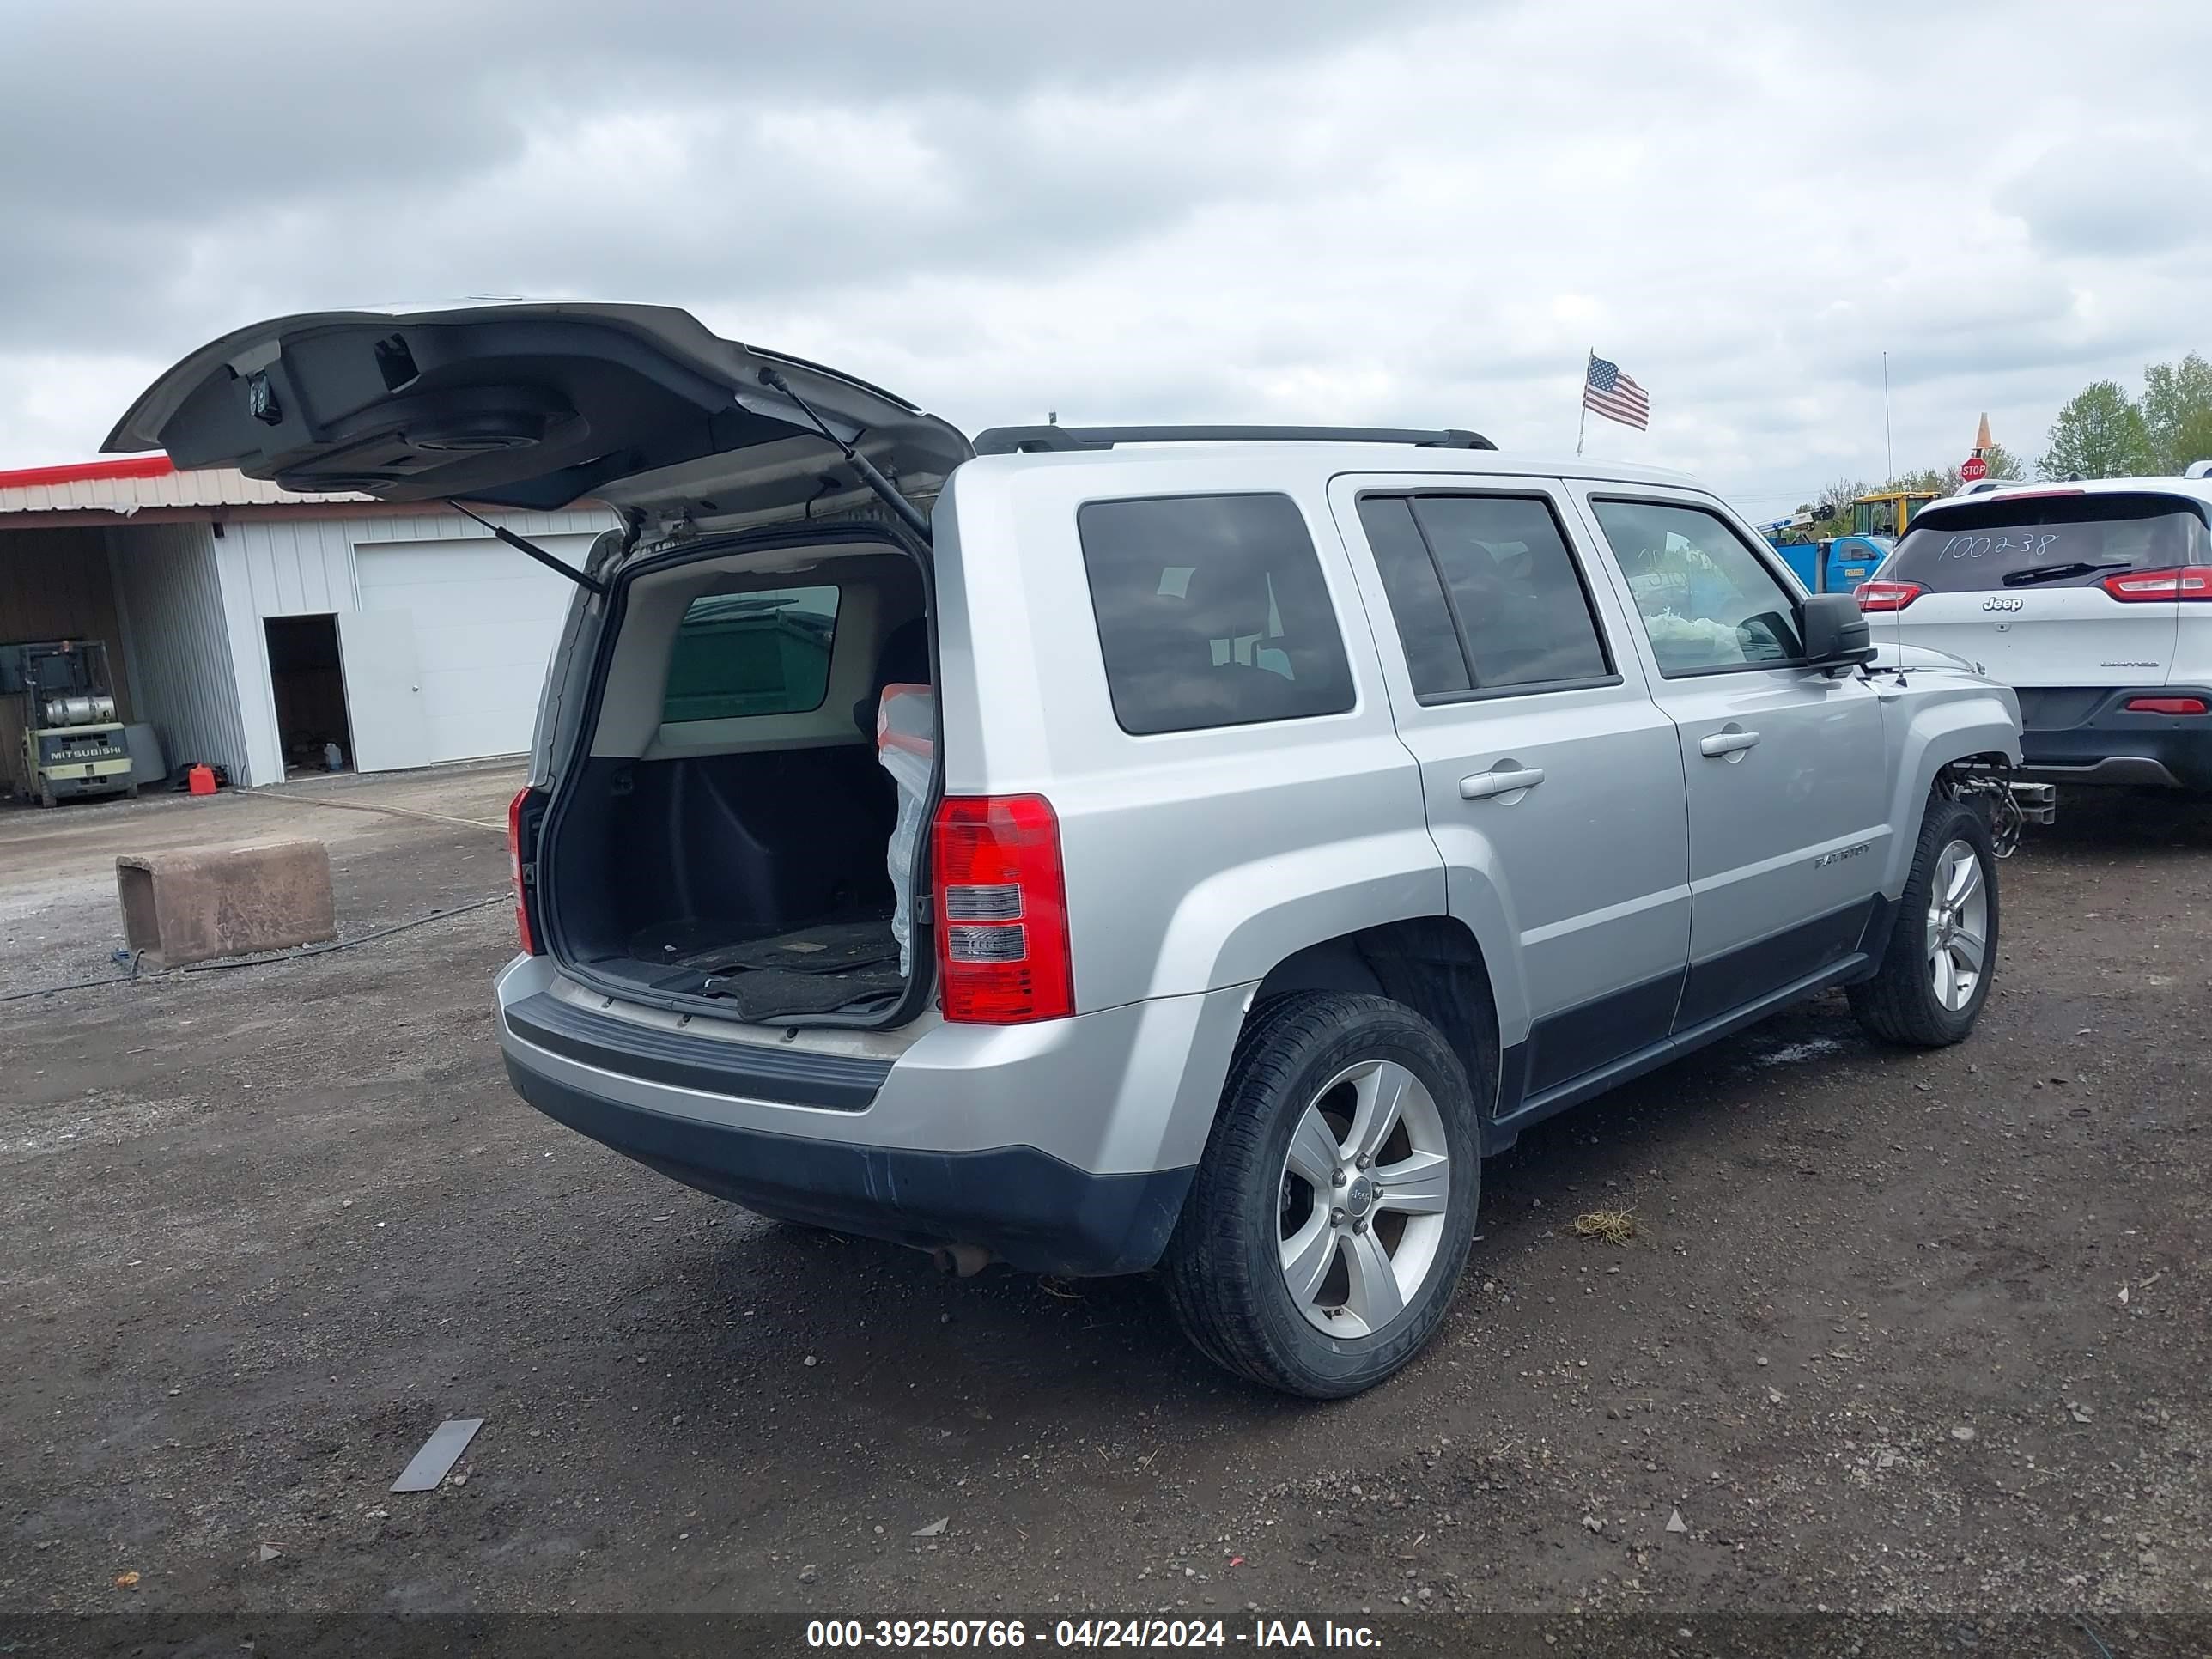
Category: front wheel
<point>1943,951</point>
<point>1331,1216</point>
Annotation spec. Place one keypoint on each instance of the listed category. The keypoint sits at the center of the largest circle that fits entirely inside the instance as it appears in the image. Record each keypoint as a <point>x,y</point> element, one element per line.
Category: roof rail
<point>2197,470</point>
<point>1016,440</point>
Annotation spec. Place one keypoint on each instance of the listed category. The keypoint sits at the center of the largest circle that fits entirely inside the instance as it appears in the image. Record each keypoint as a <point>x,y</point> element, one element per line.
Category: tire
<point>1225,1266</point>
<point>45,794</point>
<point>1904,1002</point>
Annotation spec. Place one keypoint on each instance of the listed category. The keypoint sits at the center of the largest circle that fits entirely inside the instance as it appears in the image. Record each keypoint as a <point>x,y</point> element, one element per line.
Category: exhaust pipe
<point>961,1261</point>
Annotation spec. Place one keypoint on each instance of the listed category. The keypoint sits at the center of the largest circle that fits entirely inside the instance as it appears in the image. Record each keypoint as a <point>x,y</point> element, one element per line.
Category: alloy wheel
<point>1365,1186</point>
<point>1958,925</point>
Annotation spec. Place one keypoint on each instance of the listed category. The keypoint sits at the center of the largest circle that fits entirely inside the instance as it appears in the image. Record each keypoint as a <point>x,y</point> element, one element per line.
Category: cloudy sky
<point>1404,210</point>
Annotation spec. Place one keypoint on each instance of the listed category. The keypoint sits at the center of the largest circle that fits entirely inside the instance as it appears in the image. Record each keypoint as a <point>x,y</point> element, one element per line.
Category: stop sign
<point>1975,470</point>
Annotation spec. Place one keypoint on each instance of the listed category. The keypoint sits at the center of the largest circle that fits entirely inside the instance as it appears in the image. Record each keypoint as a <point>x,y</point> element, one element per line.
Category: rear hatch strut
<point>523,545</point>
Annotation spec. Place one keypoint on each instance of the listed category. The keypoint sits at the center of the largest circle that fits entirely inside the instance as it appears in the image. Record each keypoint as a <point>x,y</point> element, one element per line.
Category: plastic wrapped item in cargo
<point>906,745</point>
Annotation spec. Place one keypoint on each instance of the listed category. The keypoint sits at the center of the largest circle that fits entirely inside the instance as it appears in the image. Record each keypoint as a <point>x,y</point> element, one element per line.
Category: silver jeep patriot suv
<point>1103,850</point>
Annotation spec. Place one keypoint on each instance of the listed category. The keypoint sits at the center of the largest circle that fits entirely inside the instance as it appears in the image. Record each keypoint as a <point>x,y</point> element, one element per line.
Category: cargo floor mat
<point>766,993</point>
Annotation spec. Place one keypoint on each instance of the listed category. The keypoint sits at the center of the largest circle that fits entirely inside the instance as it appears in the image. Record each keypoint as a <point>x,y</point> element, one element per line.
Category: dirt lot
<point>1898,1334</point>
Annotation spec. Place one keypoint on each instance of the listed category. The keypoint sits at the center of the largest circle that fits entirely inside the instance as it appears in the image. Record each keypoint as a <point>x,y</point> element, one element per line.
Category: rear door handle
<point>1727,743</point>
<point>1483,785</point>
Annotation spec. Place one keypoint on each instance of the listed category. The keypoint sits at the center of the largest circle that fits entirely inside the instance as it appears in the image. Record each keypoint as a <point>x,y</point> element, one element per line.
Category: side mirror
<point>1836,632</point>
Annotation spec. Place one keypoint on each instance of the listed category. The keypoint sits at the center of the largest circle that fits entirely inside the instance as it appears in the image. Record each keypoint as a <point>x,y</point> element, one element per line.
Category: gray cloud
<point>1408,211</point>
<point>549,149</point>
<point>2101,197</point>
<point>176,109</point>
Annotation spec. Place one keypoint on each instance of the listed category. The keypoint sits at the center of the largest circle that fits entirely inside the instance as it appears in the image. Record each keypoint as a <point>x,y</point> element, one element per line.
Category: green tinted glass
<point>742,654</point>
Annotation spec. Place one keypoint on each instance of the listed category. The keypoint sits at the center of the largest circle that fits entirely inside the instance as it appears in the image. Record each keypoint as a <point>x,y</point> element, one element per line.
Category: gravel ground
<point>1897,1335</point>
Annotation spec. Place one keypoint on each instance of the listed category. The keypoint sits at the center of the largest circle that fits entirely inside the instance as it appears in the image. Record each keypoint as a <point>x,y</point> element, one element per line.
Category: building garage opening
<point>441,631</point>
<point>307,676</point>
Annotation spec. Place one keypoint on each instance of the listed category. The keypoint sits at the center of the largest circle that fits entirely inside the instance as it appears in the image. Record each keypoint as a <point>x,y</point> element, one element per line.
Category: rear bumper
<point>1064,1146</point>
<point>112,782</point>
<point>1025,1207</point>
<point>2104,742</point>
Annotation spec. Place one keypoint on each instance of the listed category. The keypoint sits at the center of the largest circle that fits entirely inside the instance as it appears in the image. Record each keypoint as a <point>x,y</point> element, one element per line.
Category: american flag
<point>1609,392</point>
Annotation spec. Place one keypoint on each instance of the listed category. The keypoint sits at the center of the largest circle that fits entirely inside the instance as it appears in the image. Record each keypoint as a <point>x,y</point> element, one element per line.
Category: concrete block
<point>209,902</point>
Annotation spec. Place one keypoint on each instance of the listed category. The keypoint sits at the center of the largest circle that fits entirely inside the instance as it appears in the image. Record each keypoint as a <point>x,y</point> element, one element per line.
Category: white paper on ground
<point>439,1453</point>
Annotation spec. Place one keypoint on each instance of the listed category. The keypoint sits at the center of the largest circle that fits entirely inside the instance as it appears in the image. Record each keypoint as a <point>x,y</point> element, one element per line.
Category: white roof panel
<point>134,487</point>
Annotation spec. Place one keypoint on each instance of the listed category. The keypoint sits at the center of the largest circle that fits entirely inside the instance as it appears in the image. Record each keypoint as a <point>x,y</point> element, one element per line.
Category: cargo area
<point>732,835</point>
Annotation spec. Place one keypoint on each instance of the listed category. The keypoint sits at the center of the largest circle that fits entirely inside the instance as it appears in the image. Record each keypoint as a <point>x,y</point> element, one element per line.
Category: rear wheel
<point>1943,948</point>
<point>1332,1213</point>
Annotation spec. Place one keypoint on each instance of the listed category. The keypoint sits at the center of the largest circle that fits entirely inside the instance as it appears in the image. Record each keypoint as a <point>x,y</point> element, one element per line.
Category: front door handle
<point>1722,744</point>
<point>1483,785</point>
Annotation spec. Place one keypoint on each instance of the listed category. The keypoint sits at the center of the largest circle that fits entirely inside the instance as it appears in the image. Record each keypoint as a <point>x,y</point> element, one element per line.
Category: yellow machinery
<point>1887,514</point>
<point>73,745</point>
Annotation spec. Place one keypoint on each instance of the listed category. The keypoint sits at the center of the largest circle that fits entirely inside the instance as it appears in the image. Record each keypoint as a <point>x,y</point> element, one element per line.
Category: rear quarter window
<point>1212,611</point>
<point>2056,541</point>
<point>736,655</point>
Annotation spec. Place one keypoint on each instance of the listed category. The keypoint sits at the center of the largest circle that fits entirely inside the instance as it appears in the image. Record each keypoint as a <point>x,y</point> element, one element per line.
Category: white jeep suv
<point>2092,600</point>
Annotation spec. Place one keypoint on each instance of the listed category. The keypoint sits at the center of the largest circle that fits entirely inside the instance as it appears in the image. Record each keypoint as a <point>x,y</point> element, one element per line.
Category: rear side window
<point>738,655</point>
<point>2056,541</point>
<point>1485,592</point>
<point>1212,611</point>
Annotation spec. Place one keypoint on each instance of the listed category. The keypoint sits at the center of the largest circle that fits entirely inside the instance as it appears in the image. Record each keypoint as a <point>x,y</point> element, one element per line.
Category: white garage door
<point>486,619</point>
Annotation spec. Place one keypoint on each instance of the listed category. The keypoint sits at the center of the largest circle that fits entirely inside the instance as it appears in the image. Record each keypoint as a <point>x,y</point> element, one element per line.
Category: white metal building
<point>252,627</point>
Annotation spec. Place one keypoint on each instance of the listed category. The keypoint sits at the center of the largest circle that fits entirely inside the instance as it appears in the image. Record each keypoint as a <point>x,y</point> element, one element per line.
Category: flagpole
<point>1888,446</point>
<point>1582,425</point>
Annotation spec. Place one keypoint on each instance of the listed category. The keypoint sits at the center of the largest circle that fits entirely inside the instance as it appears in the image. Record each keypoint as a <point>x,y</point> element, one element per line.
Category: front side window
<point>1707,602</point>
<point>1485,592</point>
<point>1212,611</point>
<point>738,655</point>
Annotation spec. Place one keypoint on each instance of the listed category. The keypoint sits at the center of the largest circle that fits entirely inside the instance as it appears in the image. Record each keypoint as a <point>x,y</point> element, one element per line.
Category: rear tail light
<point>2161,587</point>
<point>522,815</point>
<point>1002,952</point>
<point>1886,596</point>
<point>2166,706</point>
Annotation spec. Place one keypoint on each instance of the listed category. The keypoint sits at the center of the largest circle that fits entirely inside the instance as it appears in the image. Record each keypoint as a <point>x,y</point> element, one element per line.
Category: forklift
<point>73,745</point>
<point>1885,515</point>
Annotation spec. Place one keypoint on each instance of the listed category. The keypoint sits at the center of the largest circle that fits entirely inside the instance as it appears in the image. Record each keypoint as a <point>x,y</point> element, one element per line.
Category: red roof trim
<point>130,466</point>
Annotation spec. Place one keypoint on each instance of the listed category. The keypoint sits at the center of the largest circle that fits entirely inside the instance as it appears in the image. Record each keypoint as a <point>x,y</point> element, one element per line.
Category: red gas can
<point>201,779</point>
